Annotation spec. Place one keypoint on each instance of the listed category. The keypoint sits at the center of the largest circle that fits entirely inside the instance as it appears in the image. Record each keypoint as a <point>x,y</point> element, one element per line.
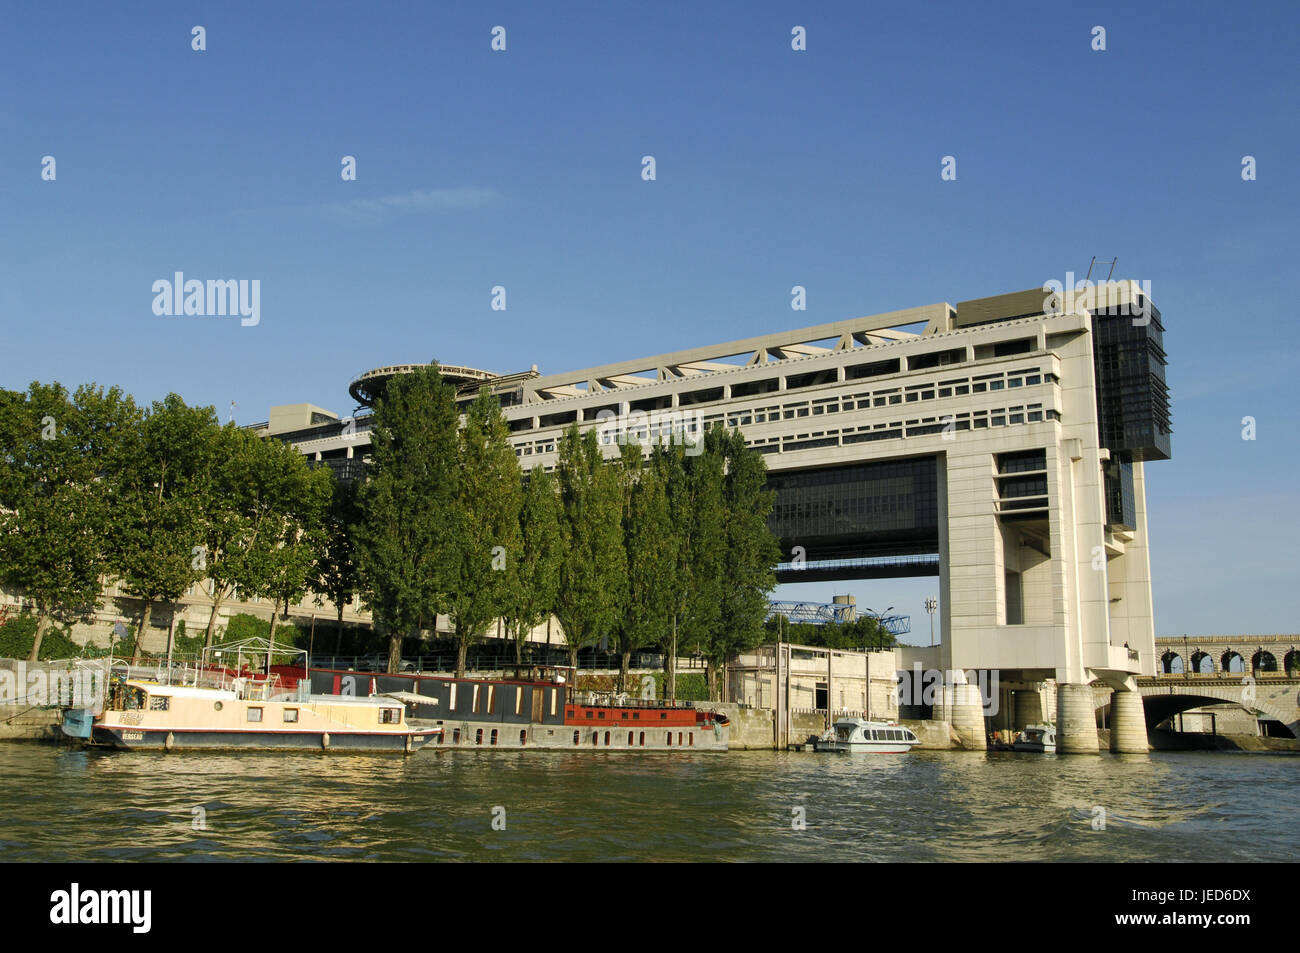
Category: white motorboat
<point>857,735</point>
<point>1038,739</point>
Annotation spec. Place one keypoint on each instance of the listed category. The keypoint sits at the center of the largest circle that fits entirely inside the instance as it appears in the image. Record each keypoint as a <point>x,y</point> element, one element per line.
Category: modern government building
<point>999,445</point>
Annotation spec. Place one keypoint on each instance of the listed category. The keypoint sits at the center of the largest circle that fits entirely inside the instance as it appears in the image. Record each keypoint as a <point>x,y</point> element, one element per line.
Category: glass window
<point>290,715</point>
<point>254,714</point>
<point>159,702</point>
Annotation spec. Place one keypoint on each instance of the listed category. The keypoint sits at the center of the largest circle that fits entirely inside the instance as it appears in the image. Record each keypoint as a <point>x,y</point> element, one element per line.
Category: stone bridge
<point>1274,697</point>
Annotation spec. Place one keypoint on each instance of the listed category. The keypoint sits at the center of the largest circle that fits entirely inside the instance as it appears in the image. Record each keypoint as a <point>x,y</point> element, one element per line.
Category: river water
<point>69,805</point>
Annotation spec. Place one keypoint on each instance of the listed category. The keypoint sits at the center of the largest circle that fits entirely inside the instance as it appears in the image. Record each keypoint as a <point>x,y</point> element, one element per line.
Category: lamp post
<point>931,604</point>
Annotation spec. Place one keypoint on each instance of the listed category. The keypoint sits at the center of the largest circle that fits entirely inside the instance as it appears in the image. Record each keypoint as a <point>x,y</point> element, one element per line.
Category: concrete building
<point>999,444</point>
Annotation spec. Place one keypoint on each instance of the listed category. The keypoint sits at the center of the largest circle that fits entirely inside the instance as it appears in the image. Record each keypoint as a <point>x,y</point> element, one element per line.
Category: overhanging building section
<point>996,444</point>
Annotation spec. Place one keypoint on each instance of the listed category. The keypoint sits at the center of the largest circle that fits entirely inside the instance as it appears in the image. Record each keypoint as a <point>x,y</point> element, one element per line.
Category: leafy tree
<point>593,574</point>
<point>749,555</point>
<point>264,503</point>
<point>405,553</point>
<point>651,546</point>
<point>486,521</point>
<point>58,463</point>
<point>337,576</point>
<point>694,483</point>
<point>157,550</point>
<point>296,533</point>
<point>534,574</point>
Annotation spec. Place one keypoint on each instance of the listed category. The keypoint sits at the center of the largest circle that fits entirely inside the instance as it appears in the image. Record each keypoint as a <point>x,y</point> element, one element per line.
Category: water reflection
<point>63,804</point>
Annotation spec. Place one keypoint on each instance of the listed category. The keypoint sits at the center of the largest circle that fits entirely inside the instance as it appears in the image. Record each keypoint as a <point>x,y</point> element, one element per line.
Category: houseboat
<point>858,736</point>
<point>535,707</point>
<point>212,706</point>
<point>1037,739</point>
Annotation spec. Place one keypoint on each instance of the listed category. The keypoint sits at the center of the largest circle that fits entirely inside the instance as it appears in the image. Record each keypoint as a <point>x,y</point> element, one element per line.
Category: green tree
<point>694,483</point>
<point>260,492</point>
<point>593,574</point>
<point>652,559</point>
<point>336,566</point>
<point>750,553</point>
<point>297,533</point>
<point>157,551</point>
<point>534,574</point>
<point>486,521</point>
<point>58,471</point>
<point>405,541</point>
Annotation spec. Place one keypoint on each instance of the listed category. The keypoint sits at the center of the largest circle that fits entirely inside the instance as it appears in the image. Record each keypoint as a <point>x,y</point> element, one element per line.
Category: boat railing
<point>624,700</point>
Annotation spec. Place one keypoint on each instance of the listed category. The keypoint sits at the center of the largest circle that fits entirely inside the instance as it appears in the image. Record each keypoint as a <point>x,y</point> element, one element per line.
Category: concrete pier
<point>1076,721</point>
<point>967,712</point>
<point>1128,726</point>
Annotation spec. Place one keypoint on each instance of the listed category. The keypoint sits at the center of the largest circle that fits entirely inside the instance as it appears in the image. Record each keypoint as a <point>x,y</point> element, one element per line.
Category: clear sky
<point>774,167</point>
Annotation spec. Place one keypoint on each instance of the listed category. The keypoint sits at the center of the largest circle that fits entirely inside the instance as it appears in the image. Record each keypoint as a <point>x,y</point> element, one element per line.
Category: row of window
<point>880,397</point>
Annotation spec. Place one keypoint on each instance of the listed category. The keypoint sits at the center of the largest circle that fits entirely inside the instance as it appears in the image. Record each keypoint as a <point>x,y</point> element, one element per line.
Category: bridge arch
<point>1171,663</point>
<point>1202,663</point>
<point>1232,662</point>
<point>1292,662</point>
<point>1263,661</point>
<point>1160,702</point>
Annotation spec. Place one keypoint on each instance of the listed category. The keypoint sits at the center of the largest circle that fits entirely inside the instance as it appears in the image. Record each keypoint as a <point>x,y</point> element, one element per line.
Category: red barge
<point>534,707</point>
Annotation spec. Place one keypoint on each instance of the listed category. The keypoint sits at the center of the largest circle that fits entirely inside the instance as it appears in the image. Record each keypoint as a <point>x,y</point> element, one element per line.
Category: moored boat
<point>860,736</point>
<point>536,707</point>
<point>1037,739</point>
<point>215,707</point>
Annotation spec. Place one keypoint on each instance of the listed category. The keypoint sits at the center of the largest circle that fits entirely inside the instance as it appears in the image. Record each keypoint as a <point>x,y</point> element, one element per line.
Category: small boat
<point>214,707</point>
<point>1038,739</point>
<point>855,735</point>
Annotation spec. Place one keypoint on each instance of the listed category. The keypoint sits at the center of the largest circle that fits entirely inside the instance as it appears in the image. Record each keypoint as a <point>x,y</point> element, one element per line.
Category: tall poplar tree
<point>593,574</point>
<point>336,565</point>
<point>487,529</point>
<point>534,573</point>
<point>651,545</point>
<point>749,556</point>
<point>405,540</point>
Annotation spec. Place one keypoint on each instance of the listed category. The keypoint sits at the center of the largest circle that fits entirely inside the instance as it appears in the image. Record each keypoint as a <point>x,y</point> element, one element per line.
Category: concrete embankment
<point>752,729</point>
<point>24,723</point>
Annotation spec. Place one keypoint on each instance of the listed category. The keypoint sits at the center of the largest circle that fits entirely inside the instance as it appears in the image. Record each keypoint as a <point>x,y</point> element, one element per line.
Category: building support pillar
<point>1076,719</point>
<point>1128,723</point>
<point>967,711</point>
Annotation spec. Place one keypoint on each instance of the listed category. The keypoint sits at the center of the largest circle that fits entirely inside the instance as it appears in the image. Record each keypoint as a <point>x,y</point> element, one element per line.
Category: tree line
<point>665,547</point>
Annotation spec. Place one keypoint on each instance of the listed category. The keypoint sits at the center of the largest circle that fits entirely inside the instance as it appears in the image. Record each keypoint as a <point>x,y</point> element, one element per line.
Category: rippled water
<point>61,804</point>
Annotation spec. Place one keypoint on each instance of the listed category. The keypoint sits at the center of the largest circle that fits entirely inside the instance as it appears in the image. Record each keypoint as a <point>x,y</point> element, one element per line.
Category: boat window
<point>159,702</point>
<point>607,739</point>
<point>474,708</point>
<point>451,702</point>
<point>390,716</point>
<point>575,737</point>
<point>642,739</point>
<point>663,716</point>
<point>523,737</point>
<point>519,699</point>
<point>492,699</point>
<point>478,736</point>
<point>629,738</point>
<point>254,714</point>
<point>692,736</point>
<point>291,714</point>
<point>670,739</point>
<point>494,736</point>
<point>554,695</point>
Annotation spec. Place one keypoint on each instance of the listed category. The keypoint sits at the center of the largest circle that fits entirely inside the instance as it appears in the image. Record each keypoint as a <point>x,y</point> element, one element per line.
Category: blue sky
<point>775,168</point>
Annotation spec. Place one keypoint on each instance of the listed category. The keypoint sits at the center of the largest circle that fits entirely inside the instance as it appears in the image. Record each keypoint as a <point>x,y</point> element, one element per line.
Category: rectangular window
<point>474,701</point>
<point>451,702</point>
<point>554,694</point>
<point>390,716</point>
<point>254,714</point>
<point>290,716</point>
<point>492,699</point>
<point>159,702</point>
<point>1015,612</point>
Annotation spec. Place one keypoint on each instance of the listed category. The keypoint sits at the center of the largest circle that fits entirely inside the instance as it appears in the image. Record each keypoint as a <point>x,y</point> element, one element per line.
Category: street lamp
<point>931,604</point>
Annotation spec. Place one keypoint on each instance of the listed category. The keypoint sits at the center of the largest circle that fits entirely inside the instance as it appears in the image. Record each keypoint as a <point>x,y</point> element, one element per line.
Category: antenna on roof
<point>1104,261</point>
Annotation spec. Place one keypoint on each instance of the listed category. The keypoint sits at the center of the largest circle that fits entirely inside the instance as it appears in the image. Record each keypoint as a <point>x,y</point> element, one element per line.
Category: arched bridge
<point>1275,697</point>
